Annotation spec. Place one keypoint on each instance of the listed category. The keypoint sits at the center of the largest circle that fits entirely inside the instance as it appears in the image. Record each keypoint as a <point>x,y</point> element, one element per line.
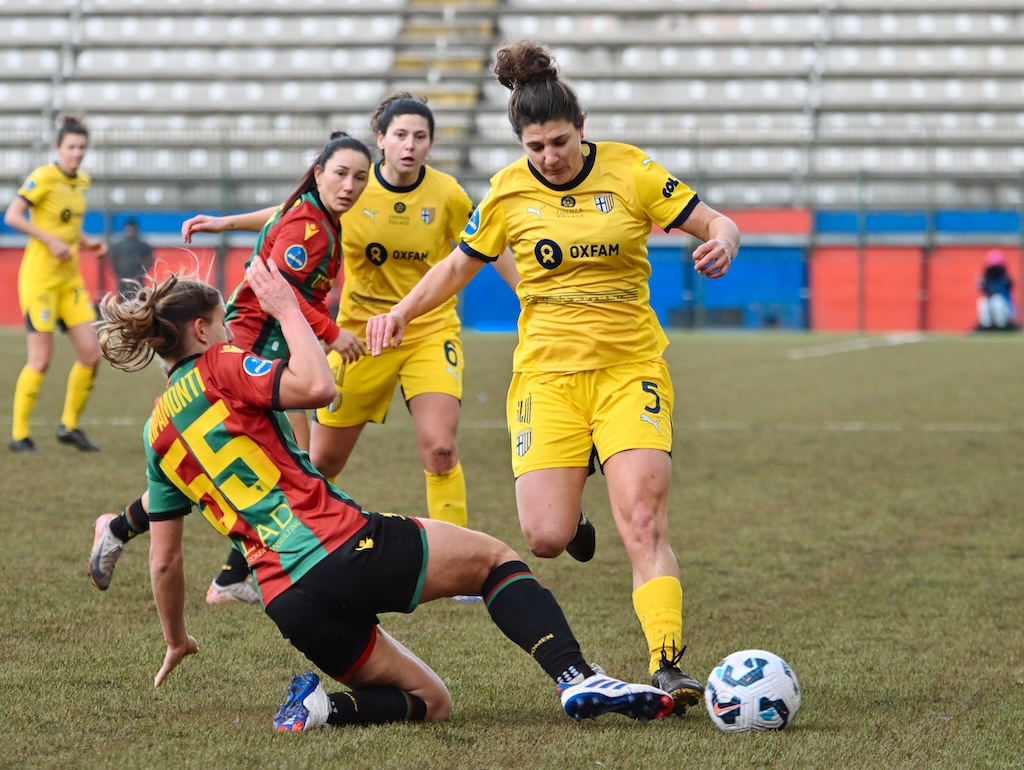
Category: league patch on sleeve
<point>295,257</point>
<point>256,366</point>
<point>474,222</point>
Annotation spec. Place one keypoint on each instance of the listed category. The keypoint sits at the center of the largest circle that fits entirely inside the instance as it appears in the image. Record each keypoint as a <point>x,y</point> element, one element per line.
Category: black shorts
<point>331,613</point>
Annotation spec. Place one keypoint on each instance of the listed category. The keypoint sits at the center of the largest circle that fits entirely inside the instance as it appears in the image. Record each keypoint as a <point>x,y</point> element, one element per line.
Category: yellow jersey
<point>581,252</point>
<point>390,238</point>
<point>57,206</point>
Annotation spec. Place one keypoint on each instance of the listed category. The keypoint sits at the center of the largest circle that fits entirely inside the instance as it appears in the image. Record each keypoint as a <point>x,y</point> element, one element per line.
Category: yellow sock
<point>659,606</point>
<point>446,496</point>
<point>25,393</point>
<point>80,382</point>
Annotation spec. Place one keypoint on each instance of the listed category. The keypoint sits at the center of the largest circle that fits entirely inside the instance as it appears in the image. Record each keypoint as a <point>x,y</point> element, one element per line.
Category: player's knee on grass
<point>439,704</point>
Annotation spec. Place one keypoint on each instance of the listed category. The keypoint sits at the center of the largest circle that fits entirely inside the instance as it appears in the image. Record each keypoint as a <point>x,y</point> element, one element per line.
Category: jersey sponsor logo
<point>605,202</point>
<point>371,214</point>
<point>568,202</point>
<point>652,421</point>
<point>548,253</point>
<point>311,230</point>
<point>591,250</point>
<point>670,187</point>
<point>474,222</point>
<point>532,210</point>
<point>524,439</point>
<point>295,257</point>
<point>399,208</point>
<point>427,215</point>
<point>411,256</point>
<point>65,215</point>
<point>256,366</point>
<point>376,253</point>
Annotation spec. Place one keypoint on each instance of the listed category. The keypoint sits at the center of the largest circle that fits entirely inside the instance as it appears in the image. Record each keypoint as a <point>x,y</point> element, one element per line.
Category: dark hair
<point>68,124</point>
<point>153,321</point>
<point>400,103</point>
<point>538,92</point>
<point>339,141</point>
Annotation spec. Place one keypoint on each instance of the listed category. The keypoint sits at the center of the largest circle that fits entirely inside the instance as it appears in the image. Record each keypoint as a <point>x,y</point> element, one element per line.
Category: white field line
<point>829,426</point>
<point>848,346</point>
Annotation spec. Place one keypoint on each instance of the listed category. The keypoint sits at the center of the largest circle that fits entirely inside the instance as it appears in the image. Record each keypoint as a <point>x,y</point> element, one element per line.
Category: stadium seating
<point>778,103</point>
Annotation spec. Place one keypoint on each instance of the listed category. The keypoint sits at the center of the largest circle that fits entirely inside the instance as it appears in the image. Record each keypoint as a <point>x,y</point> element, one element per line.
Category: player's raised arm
<point>442,282</point>
<point>251,221</point>
<point>307,382</point>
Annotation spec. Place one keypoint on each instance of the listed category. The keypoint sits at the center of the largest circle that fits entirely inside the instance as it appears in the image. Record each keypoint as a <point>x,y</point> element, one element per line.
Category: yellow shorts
<point>432,364</point>
<point>67,303</point>
<point>556,420</point>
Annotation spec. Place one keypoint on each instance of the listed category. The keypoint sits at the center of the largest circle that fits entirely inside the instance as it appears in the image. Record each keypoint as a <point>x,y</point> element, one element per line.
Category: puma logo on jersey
<point>657,427</point>
<point>452,372</point>
<point>371,214</point>
<point>645,161</point>
<point>365,544</point>
<point>311,230</point>
<point>532,210</point>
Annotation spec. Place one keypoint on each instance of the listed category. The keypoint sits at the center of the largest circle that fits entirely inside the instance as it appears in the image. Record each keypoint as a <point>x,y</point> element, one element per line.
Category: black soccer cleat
<point>684,689</point>
<point>584,542</point>
<point>76,438</point>
<point>24,446</point>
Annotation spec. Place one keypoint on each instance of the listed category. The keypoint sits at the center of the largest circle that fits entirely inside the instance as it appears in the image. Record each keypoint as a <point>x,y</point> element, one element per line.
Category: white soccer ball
<point>752,690</point>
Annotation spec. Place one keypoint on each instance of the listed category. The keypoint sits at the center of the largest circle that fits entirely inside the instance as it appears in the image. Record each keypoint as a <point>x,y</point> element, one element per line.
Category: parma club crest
<point>604,202</point>
<point>427,215</point>
<point>523,440</point>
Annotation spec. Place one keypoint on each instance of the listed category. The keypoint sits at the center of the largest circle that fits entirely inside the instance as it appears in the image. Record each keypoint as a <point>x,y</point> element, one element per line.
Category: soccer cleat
<point>24,446</point>
<point>684,689</point>
<point>106,549</point>
<point>584,542</point>
<point>76,438</point>
<point>600,694</point>
<point>234,592</point>
<point>306,707</point>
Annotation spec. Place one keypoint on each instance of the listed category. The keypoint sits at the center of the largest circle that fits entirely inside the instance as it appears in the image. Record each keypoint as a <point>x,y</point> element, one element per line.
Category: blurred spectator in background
<point>131,258</point>
<point>996,311</point>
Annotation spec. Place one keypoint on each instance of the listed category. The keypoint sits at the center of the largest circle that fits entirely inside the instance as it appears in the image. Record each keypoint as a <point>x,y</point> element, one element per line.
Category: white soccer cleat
<point>601,694</point>
<point>306,707</point>
<point>235,592</point>
<point>106,549</point>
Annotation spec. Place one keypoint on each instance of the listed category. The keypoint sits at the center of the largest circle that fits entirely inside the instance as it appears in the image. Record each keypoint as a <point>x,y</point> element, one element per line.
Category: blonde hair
<point>153,322</point>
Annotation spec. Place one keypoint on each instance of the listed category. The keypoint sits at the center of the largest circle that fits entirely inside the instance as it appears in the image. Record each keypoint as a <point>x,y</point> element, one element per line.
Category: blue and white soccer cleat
<point>601,694</point>
<point>306,707</point>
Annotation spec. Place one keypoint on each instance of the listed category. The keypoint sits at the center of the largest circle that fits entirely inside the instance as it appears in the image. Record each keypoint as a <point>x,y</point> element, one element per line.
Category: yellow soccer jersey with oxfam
<point>581,252</point>
<point>58,207</point>
<point>390,238</point>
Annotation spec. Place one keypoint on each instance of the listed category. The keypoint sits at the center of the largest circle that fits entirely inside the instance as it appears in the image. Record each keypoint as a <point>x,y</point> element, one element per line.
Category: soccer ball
<point>752,690</point>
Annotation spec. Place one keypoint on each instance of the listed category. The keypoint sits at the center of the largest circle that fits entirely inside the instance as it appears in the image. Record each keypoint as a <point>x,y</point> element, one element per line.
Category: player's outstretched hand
<point>200,223</point>
<point>349,347</point>
<point>383,331</point>
<point>271,289</point>
<point>712,259</point>
<point>174,656</point>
